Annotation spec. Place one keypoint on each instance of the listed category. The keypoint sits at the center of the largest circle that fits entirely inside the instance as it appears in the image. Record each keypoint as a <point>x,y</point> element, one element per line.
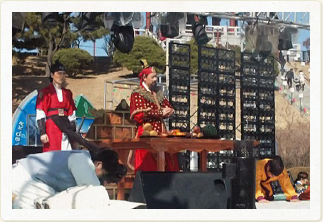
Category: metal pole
<point>167,63</point>
<point>104,97</point>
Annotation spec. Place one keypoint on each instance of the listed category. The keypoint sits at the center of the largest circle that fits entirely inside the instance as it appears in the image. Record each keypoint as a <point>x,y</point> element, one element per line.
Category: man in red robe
<point>148,105</point>
<point>55,100</point>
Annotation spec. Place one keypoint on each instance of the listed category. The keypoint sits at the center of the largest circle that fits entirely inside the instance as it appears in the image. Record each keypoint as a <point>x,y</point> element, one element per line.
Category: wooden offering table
<point>171,145</point>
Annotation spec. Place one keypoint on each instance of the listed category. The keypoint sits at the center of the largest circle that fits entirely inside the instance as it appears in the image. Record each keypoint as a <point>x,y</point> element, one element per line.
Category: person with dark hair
<point>301,182</point>
<point>148,105</point>
<point>55,100</point>
<point>289,76</point>
<point>46,174</point>
<point>268,170</point>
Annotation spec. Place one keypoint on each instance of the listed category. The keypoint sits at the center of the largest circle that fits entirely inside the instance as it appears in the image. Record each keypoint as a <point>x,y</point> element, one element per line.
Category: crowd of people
<point>299,82</point>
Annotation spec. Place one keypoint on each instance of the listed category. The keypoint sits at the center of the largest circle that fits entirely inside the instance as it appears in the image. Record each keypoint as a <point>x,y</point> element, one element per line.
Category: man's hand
<point>167,111</point>
<point>147,109</point>
<point>263,201</point>
<point>171,113</point>
<point>294,200</point>
<point>44,138</point>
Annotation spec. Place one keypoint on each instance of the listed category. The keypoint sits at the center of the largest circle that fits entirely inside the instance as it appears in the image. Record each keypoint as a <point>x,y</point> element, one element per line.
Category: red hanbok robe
<point>142,99</point>
<point>48,102</point>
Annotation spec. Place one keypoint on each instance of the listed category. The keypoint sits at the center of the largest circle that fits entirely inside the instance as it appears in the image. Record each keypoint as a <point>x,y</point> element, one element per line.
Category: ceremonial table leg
<point>120,185</point>
<point>161,161</point>
<point>203,160</point>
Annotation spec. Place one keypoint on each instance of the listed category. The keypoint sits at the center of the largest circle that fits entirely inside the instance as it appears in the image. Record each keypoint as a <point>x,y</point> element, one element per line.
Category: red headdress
<point>145,71</point>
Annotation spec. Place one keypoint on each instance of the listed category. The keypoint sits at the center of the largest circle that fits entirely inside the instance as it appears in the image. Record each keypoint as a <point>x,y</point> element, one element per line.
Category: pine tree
<point>49,39</point>
<point>143,48</point>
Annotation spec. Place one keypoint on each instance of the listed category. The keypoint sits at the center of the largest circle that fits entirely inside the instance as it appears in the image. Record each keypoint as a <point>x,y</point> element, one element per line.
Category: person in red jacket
<point>148,105</point>
<point>55,100</point>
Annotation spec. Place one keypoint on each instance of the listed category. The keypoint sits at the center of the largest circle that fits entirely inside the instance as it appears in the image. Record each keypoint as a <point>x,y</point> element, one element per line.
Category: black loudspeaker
<point>181,190</point>
<point>243,186</point>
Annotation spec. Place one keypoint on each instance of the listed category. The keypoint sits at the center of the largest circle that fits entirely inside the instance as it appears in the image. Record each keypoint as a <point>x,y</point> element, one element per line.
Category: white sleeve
<point>72,117</point>
<point>83,169</point>
<point>40,114</point>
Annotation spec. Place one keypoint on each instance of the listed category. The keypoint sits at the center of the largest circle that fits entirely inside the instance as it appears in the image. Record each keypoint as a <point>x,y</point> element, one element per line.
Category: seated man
<point>44,174</point>
<point>268,170</point>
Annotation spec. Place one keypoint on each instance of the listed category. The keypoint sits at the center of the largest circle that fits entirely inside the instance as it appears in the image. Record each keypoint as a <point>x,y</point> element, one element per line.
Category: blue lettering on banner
<point>19,133</point>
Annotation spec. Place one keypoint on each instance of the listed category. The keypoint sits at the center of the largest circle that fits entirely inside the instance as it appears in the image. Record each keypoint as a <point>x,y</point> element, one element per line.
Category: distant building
<point>294,54</point>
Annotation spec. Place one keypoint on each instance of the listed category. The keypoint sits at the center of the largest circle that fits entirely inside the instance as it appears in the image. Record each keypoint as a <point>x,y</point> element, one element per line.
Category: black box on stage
<point>181,190</point>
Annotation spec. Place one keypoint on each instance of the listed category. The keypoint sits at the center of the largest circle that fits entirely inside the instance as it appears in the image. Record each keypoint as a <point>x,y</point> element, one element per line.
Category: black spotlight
<point>285,38</point>
<point>88,21</point>
<point>200,34</point>
<point>123,38</point>
<point>198,29</point>
<point>263,46</point>
<point>169,27</point>
<point>49,19</point>
<point>18,21</point>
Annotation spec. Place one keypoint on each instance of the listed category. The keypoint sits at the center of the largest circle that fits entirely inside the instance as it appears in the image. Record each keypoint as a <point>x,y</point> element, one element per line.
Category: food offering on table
<point>148,131</point>
<point>209,132</point>
<point>177,133</point>
<point>164,135</point>
<point>197,132</point>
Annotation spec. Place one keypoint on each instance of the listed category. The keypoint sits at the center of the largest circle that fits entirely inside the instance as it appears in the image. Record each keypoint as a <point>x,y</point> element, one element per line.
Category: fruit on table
<point>148,127</point>
<point>196,129</point>
<point>199,135</point>
<point>145,133</point>
<point>153,133</point>
<point>209,131</point>
<point>180,134</point>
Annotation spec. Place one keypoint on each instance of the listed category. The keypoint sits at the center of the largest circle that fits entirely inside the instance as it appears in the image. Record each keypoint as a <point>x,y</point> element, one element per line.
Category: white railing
<point>221,34</point>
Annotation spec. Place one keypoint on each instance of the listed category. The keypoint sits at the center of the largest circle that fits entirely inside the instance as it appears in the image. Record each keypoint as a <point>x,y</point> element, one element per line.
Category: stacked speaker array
<point>215,160</point>
<point>179,85</point>
<point>216,96</point>
<point>257,96</point>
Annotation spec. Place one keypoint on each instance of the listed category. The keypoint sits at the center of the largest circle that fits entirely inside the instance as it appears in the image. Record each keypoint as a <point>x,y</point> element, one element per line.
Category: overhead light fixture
<point>170,23</point>
<point>123,38</point>
<point>285,38</point>
<point>121,29</point>
<point>18,21</point>
<point>261,40</point>
<point>198,28</point>
<point>88,21</point>
<point>50,19</point>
